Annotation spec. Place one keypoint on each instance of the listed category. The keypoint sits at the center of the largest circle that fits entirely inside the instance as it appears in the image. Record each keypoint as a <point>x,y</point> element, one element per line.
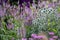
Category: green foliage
<point>28,31</point>
<point>16,23</point>
<point>14,2</point>
<point>46,20</point>
<point>58,27</point>
<point>8,34</point>
<point>58,9</point>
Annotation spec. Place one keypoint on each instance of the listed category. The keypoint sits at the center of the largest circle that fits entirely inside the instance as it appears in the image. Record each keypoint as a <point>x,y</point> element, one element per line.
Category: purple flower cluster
<point>37,36</point>
<point>26,15</point>
<point>29,13</point>
<point>53,37</point>
<point>24,39</point>
<point>51,33</point>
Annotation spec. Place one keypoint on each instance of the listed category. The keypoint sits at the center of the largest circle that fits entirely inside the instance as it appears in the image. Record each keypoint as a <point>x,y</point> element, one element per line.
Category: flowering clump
<point>53,37</point>
<point>24,39</point>
<point>27,20</point>
<point>51,33</point>
<point>37,36</point>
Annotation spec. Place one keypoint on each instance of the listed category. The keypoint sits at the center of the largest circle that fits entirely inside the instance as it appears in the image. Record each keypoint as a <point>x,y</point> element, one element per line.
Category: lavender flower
<point>50,5</point>
<point>34,5</point>
<point>7,5</point>
<point>26,9</point>
<point>2,13</point>
<point>39,4</point>
<point>13,11</point>
<point>43,3</point>
<point>27,15</point>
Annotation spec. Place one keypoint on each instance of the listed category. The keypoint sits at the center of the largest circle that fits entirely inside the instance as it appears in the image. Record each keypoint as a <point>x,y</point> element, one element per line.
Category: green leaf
<point>58,9</point>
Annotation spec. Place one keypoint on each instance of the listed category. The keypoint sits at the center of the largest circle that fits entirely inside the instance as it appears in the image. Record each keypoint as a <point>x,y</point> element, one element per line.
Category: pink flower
<point>55,37</point>
<point>51,39</point>
<point>24,39</point>
<point>33,35</point>
<point>51,33</point>
<point>31,39</point>
<point>39,37</point>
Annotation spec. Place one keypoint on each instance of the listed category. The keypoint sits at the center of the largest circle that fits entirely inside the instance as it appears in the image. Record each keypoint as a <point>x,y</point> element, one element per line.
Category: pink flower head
<point>51,33</point>
<point>39,37</point>
<point>55,37</point>
<point>51,39</point>
<point>33,35</point>
<point>36,37</point>
<point>31,39</point>
<point>24,39</point>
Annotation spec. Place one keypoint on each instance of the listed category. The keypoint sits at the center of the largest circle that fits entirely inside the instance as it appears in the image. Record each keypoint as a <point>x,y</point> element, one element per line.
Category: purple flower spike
<point>50,5</point>
<point>51,33</point>
<point>2,12</point>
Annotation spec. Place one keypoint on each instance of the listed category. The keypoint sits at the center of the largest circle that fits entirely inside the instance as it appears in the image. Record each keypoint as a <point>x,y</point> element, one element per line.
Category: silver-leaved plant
<point>41,22</point>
